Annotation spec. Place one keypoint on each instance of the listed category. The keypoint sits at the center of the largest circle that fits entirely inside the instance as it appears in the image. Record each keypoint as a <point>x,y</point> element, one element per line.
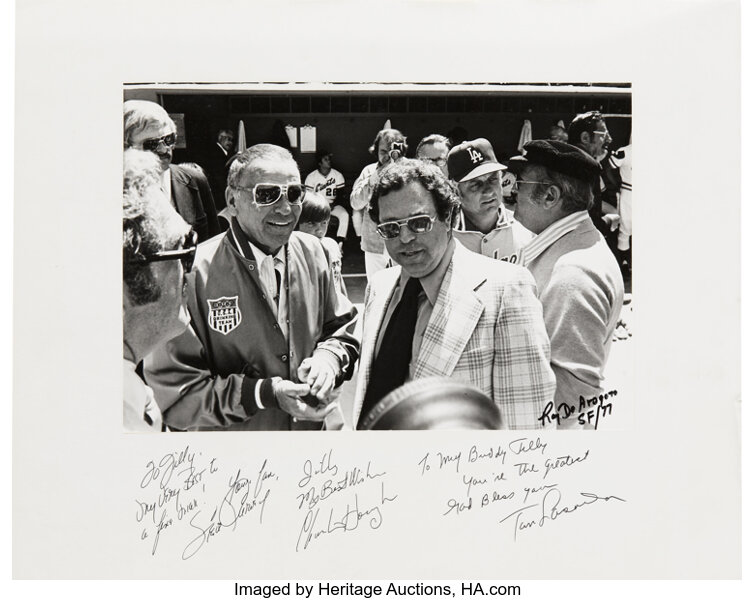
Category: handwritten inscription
<point>174,500</point>
<point>587,411</point>
<point>522,484</point>
<point>550,508</point>
<point>340,499</point>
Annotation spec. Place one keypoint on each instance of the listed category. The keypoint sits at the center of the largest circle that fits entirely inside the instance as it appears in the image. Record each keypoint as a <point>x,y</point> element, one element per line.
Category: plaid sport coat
<point>486,329</point>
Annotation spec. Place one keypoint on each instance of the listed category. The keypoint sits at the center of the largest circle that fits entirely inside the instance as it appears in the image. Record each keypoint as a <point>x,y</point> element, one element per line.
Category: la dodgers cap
<point>558,156</point>
<point>472,159</point>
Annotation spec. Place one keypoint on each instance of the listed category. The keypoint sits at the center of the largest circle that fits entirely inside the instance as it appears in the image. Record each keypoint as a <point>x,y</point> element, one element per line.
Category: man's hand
<point>612,220</point>
<point>289,396</point>
<point>319,373</point>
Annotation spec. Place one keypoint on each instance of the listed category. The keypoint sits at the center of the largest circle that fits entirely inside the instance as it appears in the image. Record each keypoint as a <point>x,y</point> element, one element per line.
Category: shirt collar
<point>432,281</point>
<point>165,181</point>
<point>260,256</point>
<point>555,231</point>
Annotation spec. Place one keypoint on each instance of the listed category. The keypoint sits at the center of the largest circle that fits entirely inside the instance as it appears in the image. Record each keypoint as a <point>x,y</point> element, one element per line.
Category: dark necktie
<point>391,366</point>
<point>277,283</point>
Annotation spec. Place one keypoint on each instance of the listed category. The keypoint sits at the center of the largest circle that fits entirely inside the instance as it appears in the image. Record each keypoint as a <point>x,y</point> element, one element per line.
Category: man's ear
<point>552,198</point>
<point>230,200</point>
<point>585,137</point>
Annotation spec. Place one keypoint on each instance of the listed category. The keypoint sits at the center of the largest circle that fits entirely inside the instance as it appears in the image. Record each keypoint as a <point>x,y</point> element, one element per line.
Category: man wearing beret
<point>485,225</point>
<point>578,278</point>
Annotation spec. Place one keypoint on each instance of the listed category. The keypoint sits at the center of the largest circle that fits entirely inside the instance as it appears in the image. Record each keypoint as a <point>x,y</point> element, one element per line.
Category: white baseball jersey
<point>503,243</point>
<point>622,160</point>
<point>325,184</point>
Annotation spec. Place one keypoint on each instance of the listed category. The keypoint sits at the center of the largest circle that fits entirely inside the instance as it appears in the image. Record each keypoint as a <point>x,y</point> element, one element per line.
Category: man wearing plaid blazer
<point>478,320</point>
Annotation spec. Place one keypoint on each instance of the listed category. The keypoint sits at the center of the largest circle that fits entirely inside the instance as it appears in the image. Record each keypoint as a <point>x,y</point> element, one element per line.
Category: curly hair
<point>150,224</point>
<point>396,176</point>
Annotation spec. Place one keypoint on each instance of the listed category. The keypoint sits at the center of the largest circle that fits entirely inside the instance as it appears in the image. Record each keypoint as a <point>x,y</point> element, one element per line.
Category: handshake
<point>309,400</point>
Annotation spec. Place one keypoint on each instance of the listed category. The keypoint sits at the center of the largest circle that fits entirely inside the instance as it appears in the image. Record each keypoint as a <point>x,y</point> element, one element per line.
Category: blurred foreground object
<point>434,403</point>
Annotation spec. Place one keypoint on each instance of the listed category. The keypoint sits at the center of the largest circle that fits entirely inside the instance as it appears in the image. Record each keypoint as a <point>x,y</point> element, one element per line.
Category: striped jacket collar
<point>551,235</point>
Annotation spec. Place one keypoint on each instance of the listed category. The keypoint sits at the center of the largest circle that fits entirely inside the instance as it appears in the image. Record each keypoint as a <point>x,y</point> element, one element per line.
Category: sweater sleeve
<point>577,312</point>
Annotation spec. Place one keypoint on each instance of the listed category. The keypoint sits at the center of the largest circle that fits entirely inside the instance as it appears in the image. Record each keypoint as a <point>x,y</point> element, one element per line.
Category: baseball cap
<point>472,159</point>
<point>558,156</point>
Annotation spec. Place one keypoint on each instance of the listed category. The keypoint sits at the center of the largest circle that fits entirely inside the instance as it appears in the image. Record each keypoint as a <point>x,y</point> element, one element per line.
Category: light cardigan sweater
<point>582,291</point>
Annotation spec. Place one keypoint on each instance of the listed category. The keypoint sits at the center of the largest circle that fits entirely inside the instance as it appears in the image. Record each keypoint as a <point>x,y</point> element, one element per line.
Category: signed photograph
<point>380,320</point>
<point>280,331</point>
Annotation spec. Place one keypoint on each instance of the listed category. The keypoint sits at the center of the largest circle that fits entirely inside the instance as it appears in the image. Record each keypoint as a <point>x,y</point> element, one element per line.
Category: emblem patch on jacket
<point>224,315</point>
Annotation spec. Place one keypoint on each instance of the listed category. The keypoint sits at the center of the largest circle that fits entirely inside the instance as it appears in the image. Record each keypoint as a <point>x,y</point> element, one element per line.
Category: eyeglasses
<point>266,194</point>
<point>418,224</point>
<point>603,134</point>
<point>515,186</point>
<point>185,254</point>
<point>153,144</point>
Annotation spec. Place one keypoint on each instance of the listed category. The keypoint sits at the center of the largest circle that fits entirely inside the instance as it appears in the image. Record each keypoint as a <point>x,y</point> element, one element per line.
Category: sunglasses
<point>265,194</point>
<point>153,144</point>
<point>418,224</point>
<point>185,254</point>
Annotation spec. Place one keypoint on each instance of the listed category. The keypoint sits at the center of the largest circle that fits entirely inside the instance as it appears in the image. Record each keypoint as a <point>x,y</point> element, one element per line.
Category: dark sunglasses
<point>153,144</point>
<point>185,254</point>
<point>418,224</point>
<point>266,194</point>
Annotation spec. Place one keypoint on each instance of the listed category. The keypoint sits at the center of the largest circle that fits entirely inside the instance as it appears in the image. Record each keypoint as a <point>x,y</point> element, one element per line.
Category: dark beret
<point>557,156</point>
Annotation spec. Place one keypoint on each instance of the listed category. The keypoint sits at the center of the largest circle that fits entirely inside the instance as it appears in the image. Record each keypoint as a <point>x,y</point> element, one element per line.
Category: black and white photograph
<point>383,320</point>
<point>282,332</point>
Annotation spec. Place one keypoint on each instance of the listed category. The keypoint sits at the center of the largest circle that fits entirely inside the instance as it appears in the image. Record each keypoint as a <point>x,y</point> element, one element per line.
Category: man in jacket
<point>146,126</point>
<point>445,311</point>
<point>578,279</point>
<point>270,335</point>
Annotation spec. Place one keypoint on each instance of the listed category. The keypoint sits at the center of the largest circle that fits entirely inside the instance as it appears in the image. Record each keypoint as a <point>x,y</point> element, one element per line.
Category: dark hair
<point>320,155</point>
<point>396,176</point>
<point>555,132</point>
<point>392,135</point>
<point>586,122</point>
<point>314,208</point>
<point>433,138</point>
<point>457,135</point>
